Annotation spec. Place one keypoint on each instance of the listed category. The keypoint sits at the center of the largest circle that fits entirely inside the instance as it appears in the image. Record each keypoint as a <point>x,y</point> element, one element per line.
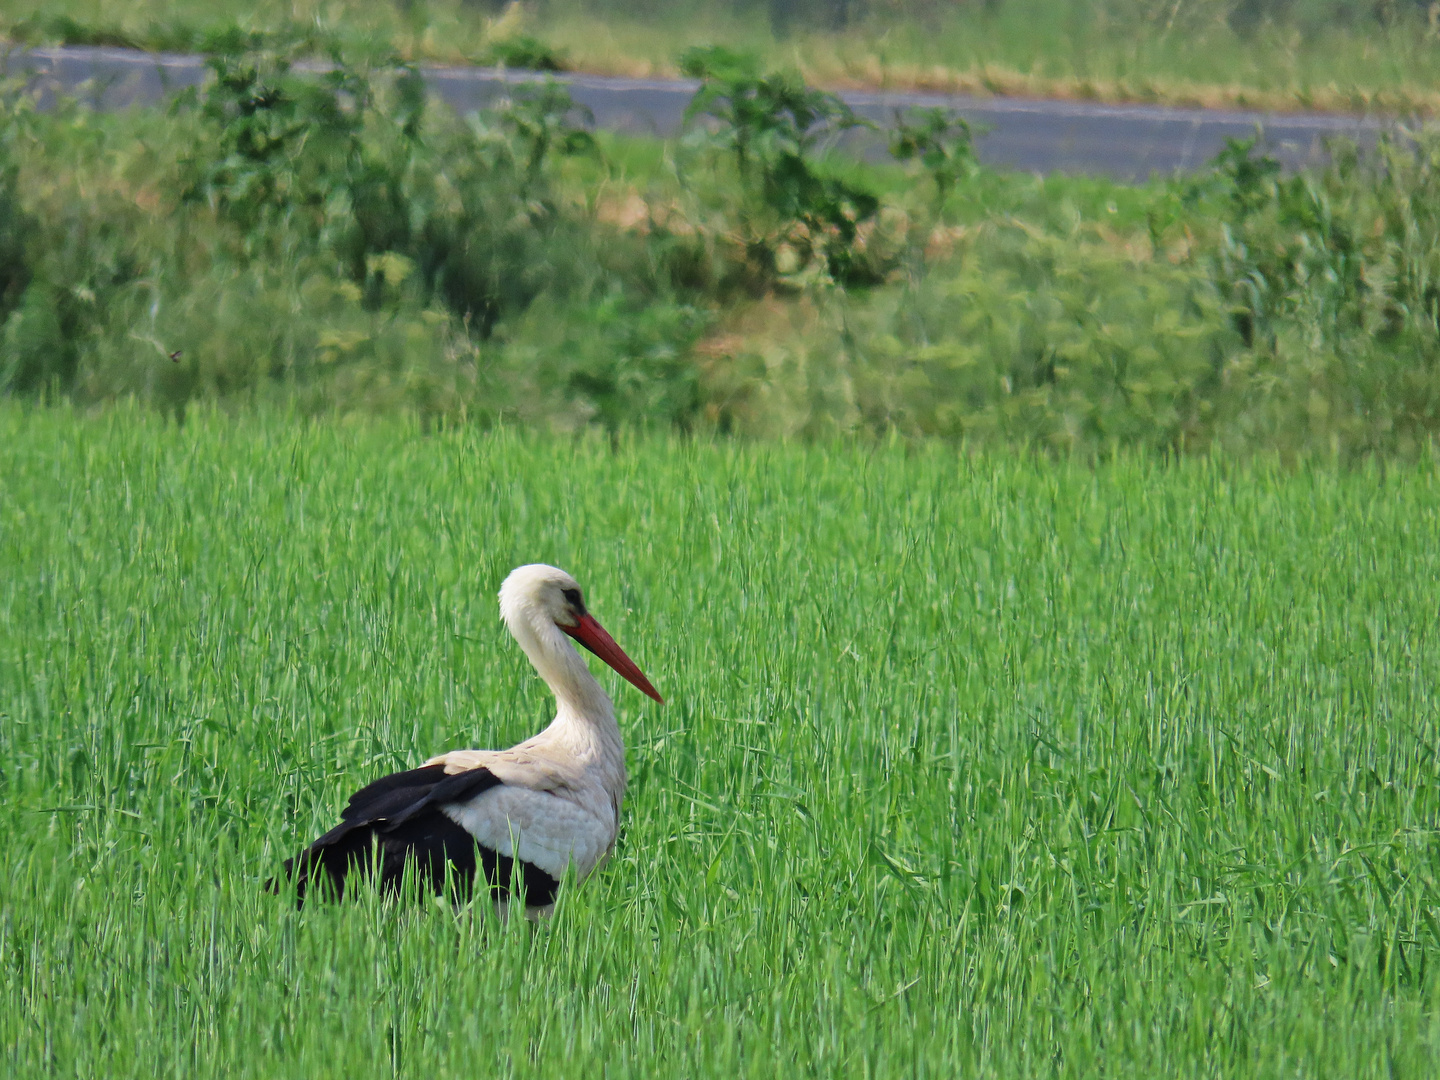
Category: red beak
<point>593,636</point>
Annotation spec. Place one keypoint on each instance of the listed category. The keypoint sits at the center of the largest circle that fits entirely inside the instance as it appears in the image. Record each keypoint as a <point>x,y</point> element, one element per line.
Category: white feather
<point>547,831</point>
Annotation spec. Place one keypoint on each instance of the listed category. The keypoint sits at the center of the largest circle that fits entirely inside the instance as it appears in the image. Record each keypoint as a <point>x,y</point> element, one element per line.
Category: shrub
<point>1353,249</point>
<point>941,141</point>
<point>1297,314</point>
<point>528,53</point>
<point>348,159</point>
<point>16,226</point>
<point>329,242</point>
<point>767,128</point>
<point>326,241</point>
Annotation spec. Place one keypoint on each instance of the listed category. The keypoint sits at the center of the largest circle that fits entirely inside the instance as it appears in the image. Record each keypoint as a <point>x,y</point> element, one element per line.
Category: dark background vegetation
<point>335,244</point>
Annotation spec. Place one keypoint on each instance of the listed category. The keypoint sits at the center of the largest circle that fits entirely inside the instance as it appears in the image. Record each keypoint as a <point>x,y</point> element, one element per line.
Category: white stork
<point>551,802</point>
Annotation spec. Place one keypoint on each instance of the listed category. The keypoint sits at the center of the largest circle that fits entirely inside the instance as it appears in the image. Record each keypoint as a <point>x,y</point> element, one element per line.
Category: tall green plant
<point>16,226</point>
<point>768,126</point>
<point>59,271</point>
<point>941,142</point>
<point>280,140</point>
<point>350,159</point>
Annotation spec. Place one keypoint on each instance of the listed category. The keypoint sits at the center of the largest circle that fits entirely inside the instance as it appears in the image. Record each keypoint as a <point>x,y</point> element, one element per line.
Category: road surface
<point>1128,142</point>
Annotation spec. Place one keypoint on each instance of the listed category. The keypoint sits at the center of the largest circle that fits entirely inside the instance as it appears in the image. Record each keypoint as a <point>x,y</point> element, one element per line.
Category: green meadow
<point>972,763</point>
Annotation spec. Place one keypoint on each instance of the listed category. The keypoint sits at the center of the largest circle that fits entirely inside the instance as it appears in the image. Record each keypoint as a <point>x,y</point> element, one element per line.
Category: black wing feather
<point>399,817</point>
<point>402,788</point>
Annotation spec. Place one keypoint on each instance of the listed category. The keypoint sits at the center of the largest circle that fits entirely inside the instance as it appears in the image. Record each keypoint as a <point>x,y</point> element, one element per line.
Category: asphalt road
<point>1124,141</point>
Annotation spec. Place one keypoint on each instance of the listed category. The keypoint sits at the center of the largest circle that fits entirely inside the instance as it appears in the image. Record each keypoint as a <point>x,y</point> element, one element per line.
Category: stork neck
<point>581,702</point>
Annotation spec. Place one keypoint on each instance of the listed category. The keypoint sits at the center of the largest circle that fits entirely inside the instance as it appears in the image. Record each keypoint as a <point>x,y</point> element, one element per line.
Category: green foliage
<point>16,226</point>
<point>346,158</point>
<point>541,119</point>
<point>971,764</point>
<point>86,264</point>
<point>1254,311</point>
<point>529,53</point>
<point>1321,270</point>
<point>768,127</point>
<point>1025,338</point>
<point>281,142</point>
<point>59,268</point>
<point>623,362</point>
<point>941,141</point>
<point>210,35</point>
<point>326,240</point>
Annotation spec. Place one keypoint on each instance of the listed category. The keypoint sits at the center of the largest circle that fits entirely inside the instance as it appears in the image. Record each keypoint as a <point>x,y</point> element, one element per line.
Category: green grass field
<point>971,765</point>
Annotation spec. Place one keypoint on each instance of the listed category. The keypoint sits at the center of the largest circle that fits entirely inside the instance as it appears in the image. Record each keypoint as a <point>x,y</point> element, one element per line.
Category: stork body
<point>550,803</point>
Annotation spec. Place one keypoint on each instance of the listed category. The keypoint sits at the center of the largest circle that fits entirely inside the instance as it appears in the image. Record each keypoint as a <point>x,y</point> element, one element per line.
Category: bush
<point>329,243</point>
<point>767,127</point>
<point>326,240</point>
<point>1352,250</point>
<point>941,142</point>
<point>528,53</point>
<point>16,226</point>
<point>1058,341</point>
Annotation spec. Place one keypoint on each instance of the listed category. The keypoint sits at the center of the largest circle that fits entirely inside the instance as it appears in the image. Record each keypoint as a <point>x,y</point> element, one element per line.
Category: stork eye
<point>572,597</point>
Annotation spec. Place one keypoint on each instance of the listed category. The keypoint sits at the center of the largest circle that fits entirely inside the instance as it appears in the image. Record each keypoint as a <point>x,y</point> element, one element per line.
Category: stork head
<point>539,597</point>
